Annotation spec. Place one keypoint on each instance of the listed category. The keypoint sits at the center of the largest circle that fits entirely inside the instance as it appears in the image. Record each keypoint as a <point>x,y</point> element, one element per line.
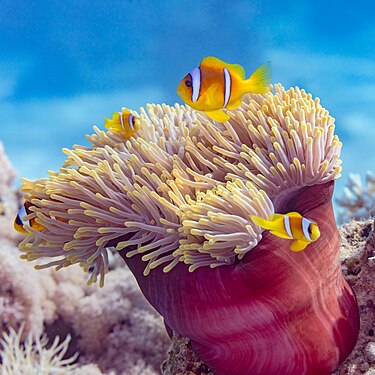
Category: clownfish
<point>215,85</point>
<point>123,122</point>
<point>19,222</point>
<point>291,226</point>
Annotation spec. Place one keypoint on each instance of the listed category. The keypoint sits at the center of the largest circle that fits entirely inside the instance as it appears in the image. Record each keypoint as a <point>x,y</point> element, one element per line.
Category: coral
<point>358,199</point>
<point>24,296</point>
<point>7,174</point>
<point>102,322</point>
<point>113,320</point>
<point>175,201</point>
<point>357,252</point>
<point>8,197</point>
<point>182,359</point>
<point>34,356</point>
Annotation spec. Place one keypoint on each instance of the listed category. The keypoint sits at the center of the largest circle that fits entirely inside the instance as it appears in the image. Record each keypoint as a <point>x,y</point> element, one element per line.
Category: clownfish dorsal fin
<point>125,111</point>
<point>274,217</point>
<point>294,214</point>
<point>211,61</point>
<point>238,69</point>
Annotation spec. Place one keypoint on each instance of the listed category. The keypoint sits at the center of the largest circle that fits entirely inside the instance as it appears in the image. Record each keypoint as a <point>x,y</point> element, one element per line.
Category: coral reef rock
<point>358,199</point>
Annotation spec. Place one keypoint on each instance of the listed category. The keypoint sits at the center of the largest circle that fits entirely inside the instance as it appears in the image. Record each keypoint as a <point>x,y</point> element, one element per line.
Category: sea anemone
<point>176,199</point>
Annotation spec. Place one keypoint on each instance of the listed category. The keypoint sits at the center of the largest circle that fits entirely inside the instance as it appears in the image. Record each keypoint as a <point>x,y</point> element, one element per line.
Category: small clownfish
<point>19,222</point>
<point>123,122</point>
<point>291,226</point>
<point>215,85</point>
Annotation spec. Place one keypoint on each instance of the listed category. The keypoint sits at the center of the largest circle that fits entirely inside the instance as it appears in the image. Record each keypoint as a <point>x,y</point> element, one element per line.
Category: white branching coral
<point>358,199</point>
<point>115,326</point>
<point>8,197</point>
<point>24,295</point>
<point>62,302</point>
<point>182,189</point>
<point>34,356</point>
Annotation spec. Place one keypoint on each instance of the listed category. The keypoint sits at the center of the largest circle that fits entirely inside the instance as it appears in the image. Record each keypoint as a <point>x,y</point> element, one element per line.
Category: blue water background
<point>65,65</point>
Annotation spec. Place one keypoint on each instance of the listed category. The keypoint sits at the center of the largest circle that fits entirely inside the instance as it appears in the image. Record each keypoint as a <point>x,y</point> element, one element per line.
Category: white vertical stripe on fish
<point>130,120</point>
<point>287,226</point>
<point>121,121</point>
<point>22,212</point>
<point>305,228</point>
<point>196,81</point>
<point>227,86</point>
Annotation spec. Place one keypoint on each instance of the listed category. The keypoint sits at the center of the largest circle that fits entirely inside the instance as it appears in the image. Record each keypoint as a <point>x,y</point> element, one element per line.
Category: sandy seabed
<point>114,329</point>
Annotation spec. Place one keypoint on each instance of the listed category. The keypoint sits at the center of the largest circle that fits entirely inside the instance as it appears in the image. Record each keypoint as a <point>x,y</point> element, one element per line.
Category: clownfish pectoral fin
<point>107,123</point>
<point>274,217</point>
<point>210,96</point>
<point>218,115</point>
<point>259,81</point>
<point>298,245</point>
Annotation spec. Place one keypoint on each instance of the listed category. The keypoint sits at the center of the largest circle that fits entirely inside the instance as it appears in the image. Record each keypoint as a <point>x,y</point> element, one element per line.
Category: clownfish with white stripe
<point>291,226</point>
<point>123,122</point>
<point>19,221</point>
<point>215,85</point>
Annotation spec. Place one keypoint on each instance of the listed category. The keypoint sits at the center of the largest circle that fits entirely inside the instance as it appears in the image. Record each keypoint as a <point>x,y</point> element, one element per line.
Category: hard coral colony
<point>176,199</point>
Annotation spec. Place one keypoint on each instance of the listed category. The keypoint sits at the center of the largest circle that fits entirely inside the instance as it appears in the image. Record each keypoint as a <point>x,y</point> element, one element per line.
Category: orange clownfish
<point>123,122</point>
<point>19,222</point>
<point>215,85</point>
<point>291,226</point>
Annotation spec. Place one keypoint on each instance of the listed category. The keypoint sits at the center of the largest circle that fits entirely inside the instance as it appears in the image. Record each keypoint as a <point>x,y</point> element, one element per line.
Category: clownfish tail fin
<point>107,123</point>
<point>263,223</point>
<point>259,81</point>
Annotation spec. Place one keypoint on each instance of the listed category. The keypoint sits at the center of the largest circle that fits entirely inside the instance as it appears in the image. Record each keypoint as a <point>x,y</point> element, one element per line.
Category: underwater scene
<point>187,188</point>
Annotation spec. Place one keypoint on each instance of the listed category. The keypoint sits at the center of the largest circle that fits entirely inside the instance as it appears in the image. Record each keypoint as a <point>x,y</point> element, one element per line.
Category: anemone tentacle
<point>275,141</point>
<point>176,201</point>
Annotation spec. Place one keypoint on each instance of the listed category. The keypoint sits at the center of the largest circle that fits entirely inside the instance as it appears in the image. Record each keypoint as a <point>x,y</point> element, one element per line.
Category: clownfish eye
<point>133,120</point>
<point>188,83</point>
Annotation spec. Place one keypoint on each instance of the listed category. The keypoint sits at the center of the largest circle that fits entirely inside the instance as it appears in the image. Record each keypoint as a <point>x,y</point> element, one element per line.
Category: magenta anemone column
<point>273,312</point>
